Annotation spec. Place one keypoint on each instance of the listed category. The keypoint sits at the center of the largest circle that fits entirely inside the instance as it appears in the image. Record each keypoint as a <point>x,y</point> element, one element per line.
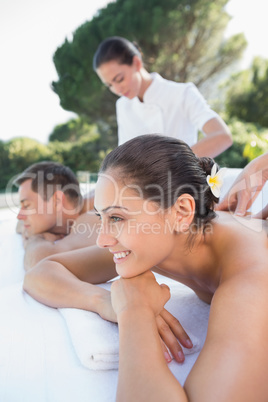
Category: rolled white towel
<point>96,341</point>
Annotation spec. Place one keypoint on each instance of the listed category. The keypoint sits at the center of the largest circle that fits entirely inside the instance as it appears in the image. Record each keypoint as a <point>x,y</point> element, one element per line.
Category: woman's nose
<point>117,89</point>
<point>105,239</point>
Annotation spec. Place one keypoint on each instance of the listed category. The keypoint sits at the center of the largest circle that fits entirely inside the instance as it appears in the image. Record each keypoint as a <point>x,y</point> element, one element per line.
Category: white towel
<point>96,341</point>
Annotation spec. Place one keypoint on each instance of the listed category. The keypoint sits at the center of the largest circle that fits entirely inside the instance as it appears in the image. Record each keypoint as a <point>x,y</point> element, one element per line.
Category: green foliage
<point>76,130</point>
<point>23,151</point>
<point>85,154</point>
<point>250,141</point>
<point>181,39</point>
<point>4,165</point>
<point>247,97</point>
<point>88,151</point>
<point>18,154</point>
<point>73,130</point>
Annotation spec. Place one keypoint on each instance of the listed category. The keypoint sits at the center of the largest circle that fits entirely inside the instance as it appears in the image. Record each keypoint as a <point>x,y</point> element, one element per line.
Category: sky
<point>31,31</point>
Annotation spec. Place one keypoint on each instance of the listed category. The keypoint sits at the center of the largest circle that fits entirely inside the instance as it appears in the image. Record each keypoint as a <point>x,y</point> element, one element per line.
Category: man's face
<point>37,214</point>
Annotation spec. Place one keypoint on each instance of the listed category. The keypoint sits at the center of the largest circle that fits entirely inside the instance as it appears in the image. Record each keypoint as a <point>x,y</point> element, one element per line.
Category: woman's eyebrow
<point>111,207</point>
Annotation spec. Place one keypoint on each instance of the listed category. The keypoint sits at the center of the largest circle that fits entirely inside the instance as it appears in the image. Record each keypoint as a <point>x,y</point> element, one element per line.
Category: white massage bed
<point>50,355</point>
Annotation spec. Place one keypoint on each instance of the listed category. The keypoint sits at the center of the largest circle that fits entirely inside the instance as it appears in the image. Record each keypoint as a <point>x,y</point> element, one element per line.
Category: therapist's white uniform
<point>170,108</point>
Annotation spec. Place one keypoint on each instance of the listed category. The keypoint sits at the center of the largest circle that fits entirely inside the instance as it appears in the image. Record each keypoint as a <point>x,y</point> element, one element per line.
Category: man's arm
<point>218,139</point>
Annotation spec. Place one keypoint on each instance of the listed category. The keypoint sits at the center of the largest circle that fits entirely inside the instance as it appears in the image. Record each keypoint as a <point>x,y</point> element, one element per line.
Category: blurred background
<point>54,107</point>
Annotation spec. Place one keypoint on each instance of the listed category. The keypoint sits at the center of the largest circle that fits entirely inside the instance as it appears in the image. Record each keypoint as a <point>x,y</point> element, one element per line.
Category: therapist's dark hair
<point>157,164</point>
<point>115,48</point>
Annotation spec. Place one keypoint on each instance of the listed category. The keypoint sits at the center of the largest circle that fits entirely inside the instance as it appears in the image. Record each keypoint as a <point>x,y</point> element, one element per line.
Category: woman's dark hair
<point>115,48</point>
<point>163,168</point>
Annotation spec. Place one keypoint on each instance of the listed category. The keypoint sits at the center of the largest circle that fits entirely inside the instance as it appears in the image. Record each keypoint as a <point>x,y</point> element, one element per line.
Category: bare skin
<point>83,233</point>
<point>53,226</point>
<point>227,267</point>
<point>246,188</point>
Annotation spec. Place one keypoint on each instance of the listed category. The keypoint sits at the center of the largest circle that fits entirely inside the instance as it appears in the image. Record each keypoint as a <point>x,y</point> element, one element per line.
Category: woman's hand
<point>105,308</point>
<point>139,292</point>
<point>172,335</point>
<point>143,291</point>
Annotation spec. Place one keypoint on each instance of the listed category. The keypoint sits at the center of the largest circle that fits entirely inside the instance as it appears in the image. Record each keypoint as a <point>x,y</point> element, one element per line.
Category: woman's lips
<point>120,256</point>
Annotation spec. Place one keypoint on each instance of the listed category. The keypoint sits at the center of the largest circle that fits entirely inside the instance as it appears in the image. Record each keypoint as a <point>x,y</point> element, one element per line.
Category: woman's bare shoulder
<point>228,223</point>
<point>239,244</point>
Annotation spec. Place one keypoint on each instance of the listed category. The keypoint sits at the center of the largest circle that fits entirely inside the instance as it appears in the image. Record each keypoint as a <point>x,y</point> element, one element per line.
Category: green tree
<point>73,130</point>
<point>4,165</point>
<point>85,154</point>
<point>79,129</point>
<point>250,141</point>
<point>247,97</point>
<point>181,39</point>
<point>23,151</point>
<point>17,154</point>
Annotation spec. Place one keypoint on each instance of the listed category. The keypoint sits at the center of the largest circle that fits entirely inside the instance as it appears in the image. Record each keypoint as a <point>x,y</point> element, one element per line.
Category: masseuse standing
<point>150,104</point>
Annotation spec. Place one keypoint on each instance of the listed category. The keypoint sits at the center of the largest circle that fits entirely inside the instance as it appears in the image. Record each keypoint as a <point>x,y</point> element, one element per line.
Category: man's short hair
<point>48,177</point>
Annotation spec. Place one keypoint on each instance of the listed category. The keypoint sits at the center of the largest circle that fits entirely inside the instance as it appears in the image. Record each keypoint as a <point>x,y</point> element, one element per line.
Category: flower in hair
<point>215,180</point>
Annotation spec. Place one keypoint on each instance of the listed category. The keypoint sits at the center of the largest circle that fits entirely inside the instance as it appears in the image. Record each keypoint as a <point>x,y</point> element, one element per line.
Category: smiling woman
<point>223,258</point>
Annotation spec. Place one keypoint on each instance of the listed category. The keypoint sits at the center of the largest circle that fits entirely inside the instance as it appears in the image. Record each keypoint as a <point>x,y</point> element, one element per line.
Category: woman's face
<point>137,232</point>
<point>122,79</point>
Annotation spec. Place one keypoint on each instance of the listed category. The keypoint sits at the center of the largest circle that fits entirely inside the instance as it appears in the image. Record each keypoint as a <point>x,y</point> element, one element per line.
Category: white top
<point>168,108</point>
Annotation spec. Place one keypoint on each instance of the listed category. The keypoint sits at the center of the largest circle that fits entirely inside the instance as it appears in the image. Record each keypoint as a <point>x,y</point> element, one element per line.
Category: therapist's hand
<point>246,187</point>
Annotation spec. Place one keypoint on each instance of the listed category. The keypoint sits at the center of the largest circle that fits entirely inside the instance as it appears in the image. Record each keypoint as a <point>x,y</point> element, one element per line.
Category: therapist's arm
<point>246,188</point>
<point>217,139</point>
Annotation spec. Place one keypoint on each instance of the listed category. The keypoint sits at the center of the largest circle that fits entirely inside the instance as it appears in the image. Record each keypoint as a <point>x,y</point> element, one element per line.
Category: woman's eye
<point>98,215</point>
<point>119,80</point>
<point>115,219</point>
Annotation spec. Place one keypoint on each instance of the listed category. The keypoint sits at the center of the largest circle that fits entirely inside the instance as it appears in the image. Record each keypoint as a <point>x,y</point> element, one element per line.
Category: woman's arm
<point>67,280</point>
<point>143,372</point>
<point>218,139</point>
<point>233,363</point>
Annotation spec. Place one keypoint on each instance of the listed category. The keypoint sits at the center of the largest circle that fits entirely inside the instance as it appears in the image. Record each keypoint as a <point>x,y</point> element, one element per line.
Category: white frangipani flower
<point>215,180</point>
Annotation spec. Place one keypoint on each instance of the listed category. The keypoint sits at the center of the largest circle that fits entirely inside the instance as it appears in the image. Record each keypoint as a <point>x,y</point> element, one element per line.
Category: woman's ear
<point>185,211</point>
<point>137,63</point>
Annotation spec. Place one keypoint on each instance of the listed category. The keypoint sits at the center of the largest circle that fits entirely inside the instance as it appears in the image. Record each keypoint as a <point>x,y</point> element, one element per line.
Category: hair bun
<point>206,164</point>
